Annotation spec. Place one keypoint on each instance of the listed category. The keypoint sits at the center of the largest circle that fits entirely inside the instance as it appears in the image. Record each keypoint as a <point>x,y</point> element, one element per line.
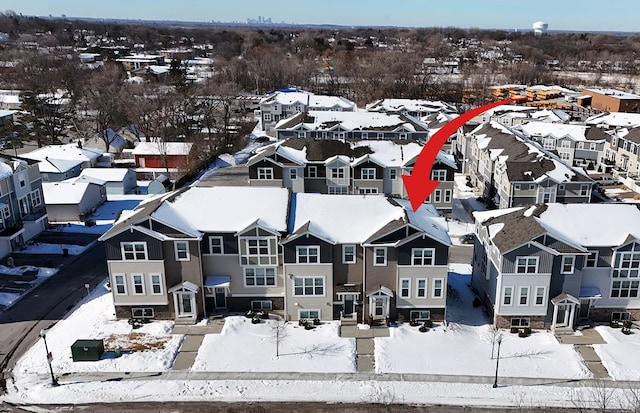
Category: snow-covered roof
<point>228,209</point>
<point>69,152</point>
<point>616,119</point>
<point>350,121</point>
<point>409,105</point>
<point>311,100</point>
<point>106,174</point>
<point>160,148</point>
<point>618,94</point>
<point>558,130</point>
<point>64,193</point>
<point>5,169</point>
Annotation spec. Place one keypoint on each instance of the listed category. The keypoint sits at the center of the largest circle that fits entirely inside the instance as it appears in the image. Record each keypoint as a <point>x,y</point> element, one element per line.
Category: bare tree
<point>279,333</point>
<point>493,334</point>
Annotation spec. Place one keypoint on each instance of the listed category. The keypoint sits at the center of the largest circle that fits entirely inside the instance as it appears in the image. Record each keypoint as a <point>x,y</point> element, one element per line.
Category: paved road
<point>47,303</point>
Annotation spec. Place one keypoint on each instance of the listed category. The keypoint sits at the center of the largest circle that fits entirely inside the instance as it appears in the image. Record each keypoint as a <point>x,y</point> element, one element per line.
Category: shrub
<point>263,315</point>
<point>255,320</point>
<point>414,323</point>
<point>423,329</point>
<point>615,324</point>
<point>514,330</point>
<point>626,331</point>
<point>302,322</point>
<point>316,321</point>
<point>309,326</point>
<point>428,323</point>
<point>249,314</point>
<point>522,334</point>
<point>527,330</point>
<point>627,324</point>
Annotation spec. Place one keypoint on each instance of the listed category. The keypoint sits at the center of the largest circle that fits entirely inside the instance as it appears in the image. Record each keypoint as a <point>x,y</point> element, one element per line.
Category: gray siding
<point>545,262</point>
<point>154,246</point>
<point>289,249</point>
<point>442,251</point>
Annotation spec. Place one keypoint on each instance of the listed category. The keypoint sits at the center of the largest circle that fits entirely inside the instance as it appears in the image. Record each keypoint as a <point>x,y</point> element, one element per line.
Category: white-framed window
<point>265,173</point>
<point>592,259</point>
<point>420,315</point>
<point>308,286</point>
<point>624,289</point>
<point>120,284</point>
<point>23,204</point>
<point>302,134</point>
<point>6,212</point>
<point>138,284</point>
<point>532,187</point>
<point>141,312</point>
<point>523,296</point>
<point>561,187</point>
<point>337,173</point>
<point>258,251</point>
<point>368,173</point>
<point>447,195</point>
<point>584,190</point>
<point>134,251</point>
<point>507,296</point>
<point>435,197</point>
<point>565,156</point>
<point>403,136</point>
<point>541,293</point>
<point>308,314</point>
<point>516,187</point>
<point>156,284</point>
<point>393,174</point>
<point>367,191</point>
<point>526,265</point>
<point>520,322</point>
<point>421,288</point>
<point>337,190</point>
<point>307,254</point>
<point>364,135</point>
<point>437,289</point>
<point>549,143</point>
<point>620,316</point>
<point>259,305</point>
<point>565,143</point>
<point>293,173</point>
<point>36,198</point>
<point>380,135</point>
<point>216,245</point>
<point>405,287</point>
<point>568,262</point>
<point>312,171</point>
<point>181,249</point>
<point>259,276</point>
<point>626,265</point>
<point>592,146</point>
<point>380,256</point>
<point>349,254</point>
<point>422,256</point>
<point>267,117</point>
<point>439,175</point>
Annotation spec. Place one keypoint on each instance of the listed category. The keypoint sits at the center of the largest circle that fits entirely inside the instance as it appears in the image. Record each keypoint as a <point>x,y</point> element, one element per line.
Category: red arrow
<point>419,184</point>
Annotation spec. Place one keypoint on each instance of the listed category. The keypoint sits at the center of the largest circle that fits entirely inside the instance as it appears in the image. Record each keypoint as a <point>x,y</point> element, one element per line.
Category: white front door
<point>379,305</point>
<point>186,304</point>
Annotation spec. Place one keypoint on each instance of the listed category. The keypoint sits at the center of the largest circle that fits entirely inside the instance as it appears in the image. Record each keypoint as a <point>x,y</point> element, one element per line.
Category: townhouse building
<point>298,255</point>
<point>353,167</point>
<point>284,103</point>
<point>509,170</point>
<point>418,108</point>
<point>558,265</point>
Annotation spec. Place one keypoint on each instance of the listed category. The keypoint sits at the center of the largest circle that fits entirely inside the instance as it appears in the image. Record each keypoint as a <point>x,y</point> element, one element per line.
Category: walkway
<point>194,334</point>
<point>365,344</point>
<point>584,344</point>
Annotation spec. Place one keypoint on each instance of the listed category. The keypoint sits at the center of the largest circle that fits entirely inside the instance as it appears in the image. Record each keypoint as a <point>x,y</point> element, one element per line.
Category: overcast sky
<point>613,15</point>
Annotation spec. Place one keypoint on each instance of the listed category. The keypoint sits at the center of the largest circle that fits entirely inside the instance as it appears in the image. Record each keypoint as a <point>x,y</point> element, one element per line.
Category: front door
<point>584,308</point>
<point>186,304</point>
<point>380,307</point>
<point>348,300</point>
<point>562,319</point>
<point>221,298</point>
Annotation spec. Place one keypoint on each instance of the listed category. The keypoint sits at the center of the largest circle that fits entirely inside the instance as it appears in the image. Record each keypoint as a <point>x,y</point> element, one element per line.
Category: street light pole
<point>495,380</point>
<point>54,381</point>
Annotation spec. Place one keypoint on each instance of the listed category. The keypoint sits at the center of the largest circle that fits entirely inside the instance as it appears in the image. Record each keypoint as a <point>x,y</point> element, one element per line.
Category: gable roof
<point>159,148</point>
<point>64,193</point>
<point>352,121</point>
<point>68,152</point>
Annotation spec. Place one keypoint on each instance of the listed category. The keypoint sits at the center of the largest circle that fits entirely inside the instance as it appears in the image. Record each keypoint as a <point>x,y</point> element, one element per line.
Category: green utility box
<point>87,350</point>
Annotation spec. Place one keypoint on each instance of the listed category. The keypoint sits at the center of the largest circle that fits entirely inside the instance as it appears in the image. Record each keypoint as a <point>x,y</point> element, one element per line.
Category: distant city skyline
<point>587,15</point>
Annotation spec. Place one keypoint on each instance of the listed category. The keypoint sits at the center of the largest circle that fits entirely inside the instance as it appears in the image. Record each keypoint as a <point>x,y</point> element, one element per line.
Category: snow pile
<point>619,354</point>
<point>252,347</point>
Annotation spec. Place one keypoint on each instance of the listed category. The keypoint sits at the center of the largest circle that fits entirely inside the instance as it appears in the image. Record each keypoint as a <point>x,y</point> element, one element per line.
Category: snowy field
<point>464,347</point>
<point>620,354</point>
<point>251,347</point>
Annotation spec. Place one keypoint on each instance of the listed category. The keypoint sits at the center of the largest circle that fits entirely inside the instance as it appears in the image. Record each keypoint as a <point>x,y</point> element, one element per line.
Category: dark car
<point>467,238</point>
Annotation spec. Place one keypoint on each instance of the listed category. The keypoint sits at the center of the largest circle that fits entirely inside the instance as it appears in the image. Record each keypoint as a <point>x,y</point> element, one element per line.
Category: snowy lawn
<point>619,355</point>
<point>95,319</point>
<point>464,346</point>
<point>251,347</point>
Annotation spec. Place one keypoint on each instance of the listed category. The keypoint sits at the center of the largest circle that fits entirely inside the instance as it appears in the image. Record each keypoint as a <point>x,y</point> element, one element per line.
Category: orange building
<point>612,100</point>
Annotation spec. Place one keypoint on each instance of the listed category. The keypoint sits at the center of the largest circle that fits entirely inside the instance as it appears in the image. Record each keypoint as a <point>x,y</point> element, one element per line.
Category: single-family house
<point>156,157</point>
<point>117,181</point>
<point>72,201</point>
<point>62,162</point>
<point>558,265</point>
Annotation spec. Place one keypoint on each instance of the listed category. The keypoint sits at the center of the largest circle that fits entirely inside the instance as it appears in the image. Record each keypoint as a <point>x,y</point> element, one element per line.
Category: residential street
<point>44,306</point>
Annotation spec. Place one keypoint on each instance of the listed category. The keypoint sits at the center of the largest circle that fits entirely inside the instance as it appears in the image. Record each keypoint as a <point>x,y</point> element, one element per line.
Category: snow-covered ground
<point>620,354</point>
<point>9,298</point>
<point>252,347</point>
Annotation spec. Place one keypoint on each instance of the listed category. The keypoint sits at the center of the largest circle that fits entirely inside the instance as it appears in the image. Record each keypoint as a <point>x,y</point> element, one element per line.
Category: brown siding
<point>347,273</point>
<point>289,249</point>
<point>112,245</point>
<point>380,275</point>
<point>442,251</point>
<point>253,169</point>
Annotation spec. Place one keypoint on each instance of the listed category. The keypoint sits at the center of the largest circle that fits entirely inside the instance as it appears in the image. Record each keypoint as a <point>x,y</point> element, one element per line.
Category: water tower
<point>540,28</point>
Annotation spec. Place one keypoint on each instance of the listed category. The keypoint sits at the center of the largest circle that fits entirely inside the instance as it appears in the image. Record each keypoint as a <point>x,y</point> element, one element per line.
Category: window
<point>380,256</point>
<point>367,191</point>
<point>565,156</point>
<point>156,284</point>
<point>565,144</point>
<point>584,190</point>
<point>592,259</point>
<point>293,173</point>
<point>258,251</point>
<point>447,195</point>
<point>421,288</point>
<point>142,313</point>
<point>349,254</point>
<point>216,245</point>
<point>439,175</point>
<point>36,198</point>
<point>308,314</point>
<point>507,296</point>
<point>364,135</point>
<point>532,187</point>
<point>420,315</point>
<point>23,204</point>
<point>307,255</point>
<point>403,136</point>
<point>6,212</point>
<point>620,316</point>
<point>337,190</point>
<point>259,277</point>
<point>626,265</point>
<point>568,262</point>
<point>523,297</point>
<point>520,322</point>
<point>540,293</point>
<point>120,284</point>
<point>261,305</point>
<point>181,250</point>
<point>624,289</point>
<point>138,283</point>
<point>393,174</point>
<point>526,265</point>
<point>548,143</point>
<point>134,251</point>
<point>437,288</point>
<point>312,171</point>
<point>422,256</point>
<point>368,173</point>
<point>405,288</point>
<point>380,135</point>
<point>308,286</point>
<point>436,197</point>
<point>561,187</point>
<point>516,187</point>
<point>265,173</point>
<point>337,173</point>
<point>267,117</point>
<point>302,135</point>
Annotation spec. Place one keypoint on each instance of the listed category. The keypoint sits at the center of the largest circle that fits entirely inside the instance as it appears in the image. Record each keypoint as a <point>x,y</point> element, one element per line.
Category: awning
<point>564,298</point>
<point>590,292</point>
<point>217,281</point>
<point>381,290</point>
<point>187,285</point>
